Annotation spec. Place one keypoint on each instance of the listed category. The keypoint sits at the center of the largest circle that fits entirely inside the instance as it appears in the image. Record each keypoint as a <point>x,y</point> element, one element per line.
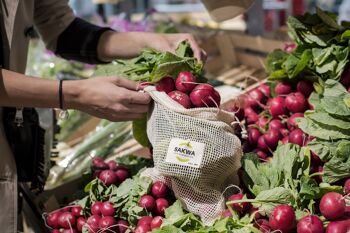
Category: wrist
<point>71,92</point>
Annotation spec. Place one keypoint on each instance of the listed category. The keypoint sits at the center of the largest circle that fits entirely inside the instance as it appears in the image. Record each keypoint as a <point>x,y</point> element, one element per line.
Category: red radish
<point>122,225</point>
<point>121,174</point>
<point>310,224</point>
<point>297,136</point>
<point>185,82</point>
<point>315,159</point>
<point>96,208</point>
<point>318,169</point>
<point>285,140</point>
<point>93,223</point>
<point>282,218</point>
<point>55,231</point>
<point>159,189</point>
<point>66,209</point>
<point>332,205</point>
<point>283,88</point>
<point>276,124</point>
<point>96,173</point>
<point>272,137</point>
<point>99,163</point>
<point>261,154</point>
<point>107,209</point>
<point>284,132</point>
<point>69,231</point>
<point>252,118</point>
<point>77,211</point>
<point>108,177</point>
<point>254,99</point>
<point>263,225</point>
<point>147,202</point>
<point>226,214</point>
<point>204,95</point>
<point>80,223</point>
<point>262,122</point>
<point>161,205</point>
<point>337,227</point>
<point>255,211</point>
<point>262,144</point>
<point>289,47</point>
<point>253,136</point>
<point>291,123</point>
<point>239,112</point>
<point>145,220</point>
<point>265,89</point>
<point>345,77</point>
<point>166,84</point>
<point>52,219</point>
<point>181,98</point>
<point>112,165</point>
<point>305,87</point>
<point>276,107</point>
<point>107,223</point>
<point>143,229</point>
<point>242,207</point>
<point>296,102</point>
<point>66,220</point>
<point>347,186</point>
<point>156,222</point>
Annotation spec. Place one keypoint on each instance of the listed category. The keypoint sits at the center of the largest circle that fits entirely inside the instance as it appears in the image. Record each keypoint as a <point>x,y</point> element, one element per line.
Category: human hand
<point>111,98</point>
<point>169,42</point>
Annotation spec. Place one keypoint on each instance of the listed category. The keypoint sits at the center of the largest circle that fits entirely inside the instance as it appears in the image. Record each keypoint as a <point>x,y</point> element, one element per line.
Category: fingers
<point>136,108</point>
<point>198,53</point>
<point>128,84</point>
<point>133,97</point>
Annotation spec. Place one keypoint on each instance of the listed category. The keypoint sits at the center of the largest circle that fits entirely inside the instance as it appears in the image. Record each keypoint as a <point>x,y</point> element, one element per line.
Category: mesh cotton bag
<point>195,153</point>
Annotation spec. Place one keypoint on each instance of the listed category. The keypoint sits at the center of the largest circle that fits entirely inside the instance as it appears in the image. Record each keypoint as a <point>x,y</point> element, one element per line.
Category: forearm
<point>18,90</point>
<point>114,45</point>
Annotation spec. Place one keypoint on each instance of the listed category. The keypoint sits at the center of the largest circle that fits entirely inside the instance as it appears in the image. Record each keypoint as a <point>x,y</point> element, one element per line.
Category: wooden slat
<point>214,65</point>
<point>251,60</point>
<point>227,50</point>
<point>256,43</point>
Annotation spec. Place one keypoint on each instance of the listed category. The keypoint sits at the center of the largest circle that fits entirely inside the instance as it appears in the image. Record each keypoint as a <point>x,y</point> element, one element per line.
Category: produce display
<point>295,134</point>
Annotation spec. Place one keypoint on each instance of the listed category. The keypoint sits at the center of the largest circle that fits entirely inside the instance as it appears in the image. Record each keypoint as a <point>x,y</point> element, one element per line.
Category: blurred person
<point>112,98</point>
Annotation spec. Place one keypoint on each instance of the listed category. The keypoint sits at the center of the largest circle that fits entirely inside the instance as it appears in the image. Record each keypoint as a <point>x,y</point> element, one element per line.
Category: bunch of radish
<point>67,220</point>
<point>110,172</point>
<point>155,203</point>
<point>186,91</point>
<point>102,215</point>
<point>270,119</point>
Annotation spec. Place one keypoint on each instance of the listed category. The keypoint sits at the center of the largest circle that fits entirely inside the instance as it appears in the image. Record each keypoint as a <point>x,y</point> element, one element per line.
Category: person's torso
<point>17,23</point>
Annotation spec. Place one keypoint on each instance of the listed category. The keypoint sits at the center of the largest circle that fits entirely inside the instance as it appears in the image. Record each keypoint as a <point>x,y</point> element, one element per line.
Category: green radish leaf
<point>139,131</point>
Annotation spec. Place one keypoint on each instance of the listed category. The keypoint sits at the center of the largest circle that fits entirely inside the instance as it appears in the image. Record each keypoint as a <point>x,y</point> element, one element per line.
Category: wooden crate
<point>236,58</point>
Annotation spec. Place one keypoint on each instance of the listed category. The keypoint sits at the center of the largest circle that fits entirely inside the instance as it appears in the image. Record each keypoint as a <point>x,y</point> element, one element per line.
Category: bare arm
<point>114,45</point>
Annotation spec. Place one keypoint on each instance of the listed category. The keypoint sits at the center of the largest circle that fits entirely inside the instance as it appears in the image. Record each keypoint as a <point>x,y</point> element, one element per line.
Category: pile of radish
<point>269,116</point>
<point>101,215</point>
<point>187,92</point>
<point>109,173</point>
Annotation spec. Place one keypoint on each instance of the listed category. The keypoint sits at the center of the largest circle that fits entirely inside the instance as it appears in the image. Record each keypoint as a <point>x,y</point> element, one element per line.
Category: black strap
<point>79,41</point>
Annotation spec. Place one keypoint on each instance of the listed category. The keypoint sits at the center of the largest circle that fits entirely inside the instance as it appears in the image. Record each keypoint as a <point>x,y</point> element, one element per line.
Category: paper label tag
<point>184,152</point>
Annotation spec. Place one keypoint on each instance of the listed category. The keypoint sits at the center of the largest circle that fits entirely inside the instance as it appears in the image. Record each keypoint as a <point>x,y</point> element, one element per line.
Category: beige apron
<point>50,18</point>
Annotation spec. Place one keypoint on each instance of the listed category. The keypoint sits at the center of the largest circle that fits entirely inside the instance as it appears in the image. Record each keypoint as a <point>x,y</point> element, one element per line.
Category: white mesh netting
<point>199,186</point>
